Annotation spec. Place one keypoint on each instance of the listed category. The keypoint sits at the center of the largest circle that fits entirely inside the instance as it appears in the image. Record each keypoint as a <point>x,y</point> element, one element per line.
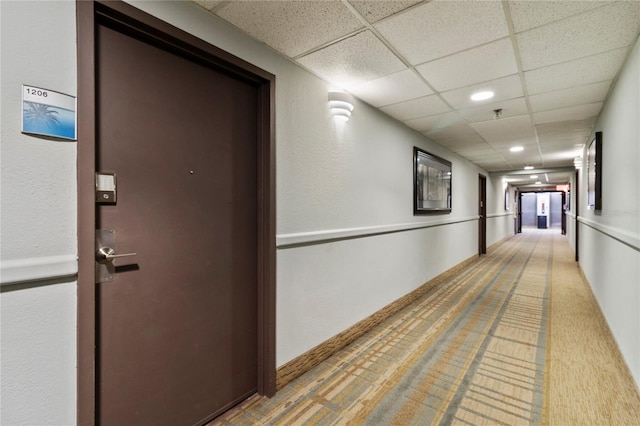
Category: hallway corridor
<point>514,338</point>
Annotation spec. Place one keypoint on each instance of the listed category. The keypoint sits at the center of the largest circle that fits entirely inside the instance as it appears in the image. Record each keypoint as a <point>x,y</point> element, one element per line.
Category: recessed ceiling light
<point>481,96</point>
<point>538,183</point>
<point>516,149</point>
<point>534,176</point>
<point>528,167</point>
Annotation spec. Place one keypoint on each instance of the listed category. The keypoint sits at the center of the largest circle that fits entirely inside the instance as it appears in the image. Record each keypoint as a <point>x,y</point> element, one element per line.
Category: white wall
<point>38,222</point>
<point>610,238</point>
<point>333,180</point>
<point>500,221</point>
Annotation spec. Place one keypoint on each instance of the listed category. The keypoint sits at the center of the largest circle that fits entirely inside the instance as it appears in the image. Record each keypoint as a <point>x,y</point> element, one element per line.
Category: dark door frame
<point>537,191</point>
<point>576,230</point>
<point>482,213</point>
<point>180,42</point>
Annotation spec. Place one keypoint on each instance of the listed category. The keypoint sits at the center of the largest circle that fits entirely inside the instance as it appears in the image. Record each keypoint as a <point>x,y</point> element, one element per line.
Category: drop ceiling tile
<point>530,14</point>
<point>596,31</point>
<point>415,108</point>
<point>449,27</point>
<point>549,131</point>
<point>579,72</point>
<point>482,151</point>
<point>505,129</point>
<point>559,155</point>
<point>578,112</point>
<point>439,121</point>
<point>391,89</point>
<point>504,88</point>
<point>353,61</point>
<point>493,165</point>
<point>460,131</point>
<point>373,11</point>
<point>510,108</point>
<point>569,97</point>
<point>574,144</point>
<point>487,62</point>
<point>467,143</point>
<point>507,143</point>
<point>292,27</point>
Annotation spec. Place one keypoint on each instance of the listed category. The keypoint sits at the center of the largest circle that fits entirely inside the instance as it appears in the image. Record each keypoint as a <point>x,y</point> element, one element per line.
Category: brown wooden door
<point>177,327</point>
<point>482,212</point>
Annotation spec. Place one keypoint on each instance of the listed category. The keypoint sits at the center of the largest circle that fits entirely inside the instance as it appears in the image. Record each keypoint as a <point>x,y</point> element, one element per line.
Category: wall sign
<point>48,113</point>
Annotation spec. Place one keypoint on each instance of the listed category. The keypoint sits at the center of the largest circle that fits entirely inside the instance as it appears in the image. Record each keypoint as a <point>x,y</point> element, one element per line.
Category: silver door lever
<point>107,254</point>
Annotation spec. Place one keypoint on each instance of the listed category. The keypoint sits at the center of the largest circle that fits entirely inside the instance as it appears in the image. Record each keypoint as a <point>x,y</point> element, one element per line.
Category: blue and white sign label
<point>48,113</point>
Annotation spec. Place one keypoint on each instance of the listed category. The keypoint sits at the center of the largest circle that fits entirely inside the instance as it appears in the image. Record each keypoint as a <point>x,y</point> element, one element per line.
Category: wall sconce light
<point>341,105</point>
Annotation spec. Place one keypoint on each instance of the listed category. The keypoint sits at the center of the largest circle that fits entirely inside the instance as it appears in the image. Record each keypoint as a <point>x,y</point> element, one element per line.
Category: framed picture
<point>594,173</point>
<point>431,183</point>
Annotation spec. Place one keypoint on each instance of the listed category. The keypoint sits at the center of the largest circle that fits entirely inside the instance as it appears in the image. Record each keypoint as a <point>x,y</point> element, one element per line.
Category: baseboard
<point>305,362</point>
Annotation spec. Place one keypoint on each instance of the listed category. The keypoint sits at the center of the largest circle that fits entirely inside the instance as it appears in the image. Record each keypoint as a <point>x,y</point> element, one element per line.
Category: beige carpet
<point>588,381</point>
<point>515,338</point>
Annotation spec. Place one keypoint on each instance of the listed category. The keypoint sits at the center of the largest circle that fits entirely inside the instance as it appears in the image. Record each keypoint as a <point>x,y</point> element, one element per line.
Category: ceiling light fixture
<point>341,104</point>
<point>528,167</point>
<point>516,149</point>
<point>538,183</point>
<point>482,96</point>
<point>534,176</point>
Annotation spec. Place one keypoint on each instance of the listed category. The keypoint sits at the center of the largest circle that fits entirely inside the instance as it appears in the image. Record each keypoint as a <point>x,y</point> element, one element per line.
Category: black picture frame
<point>594,173</point>
<point>431,183</point>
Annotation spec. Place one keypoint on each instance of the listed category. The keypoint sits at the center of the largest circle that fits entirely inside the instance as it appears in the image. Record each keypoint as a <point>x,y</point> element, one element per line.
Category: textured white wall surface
<point>38,221</point>
<point>610,238</point>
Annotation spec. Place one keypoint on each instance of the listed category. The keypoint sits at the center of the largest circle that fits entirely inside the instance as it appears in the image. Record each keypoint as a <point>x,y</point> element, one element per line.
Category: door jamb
<point>87,15</point>
<point>482,213</point>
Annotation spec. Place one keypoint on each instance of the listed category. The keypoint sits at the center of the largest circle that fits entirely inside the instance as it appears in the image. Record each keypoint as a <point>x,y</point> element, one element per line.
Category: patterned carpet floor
<point>471,351</point>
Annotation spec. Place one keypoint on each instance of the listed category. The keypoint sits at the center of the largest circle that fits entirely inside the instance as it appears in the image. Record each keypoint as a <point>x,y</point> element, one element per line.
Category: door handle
<point>107,254</point>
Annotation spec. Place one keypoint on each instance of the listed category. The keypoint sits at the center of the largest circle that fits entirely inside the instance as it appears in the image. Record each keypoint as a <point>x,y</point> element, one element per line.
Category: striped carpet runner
<point>471,351</point>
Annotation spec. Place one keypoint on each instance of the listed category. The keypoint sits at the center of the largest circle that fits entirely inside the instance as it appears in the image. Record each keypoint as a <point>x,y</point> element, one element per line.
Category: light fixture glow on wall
<point>341,104</point>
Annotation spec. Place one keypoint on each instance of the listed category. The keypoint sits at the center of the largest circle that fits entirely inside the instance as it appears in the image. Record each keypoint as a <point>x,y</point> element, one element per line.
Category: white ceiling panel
<point>450,26</point>
<point>493,164</point>
<point>510,108</point>
<point>353,61</point>
<point>391,89</point>
<point>468,143</point>
<point>579,72</point>
<point>550,64</point>
<point>555,130</point>
<point>504,88</point>
<point>435,121</point>
<point>599,30</point>
<point>531,14</point>
<point>488,62</point>
<point>373,11</point>
<point>292,27</point>
<point>460,131</point>
<point>578,112</point>
<point>506,129</point>
<point>415,108</point>
<point>569,97</point>
<point>525,141</point>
